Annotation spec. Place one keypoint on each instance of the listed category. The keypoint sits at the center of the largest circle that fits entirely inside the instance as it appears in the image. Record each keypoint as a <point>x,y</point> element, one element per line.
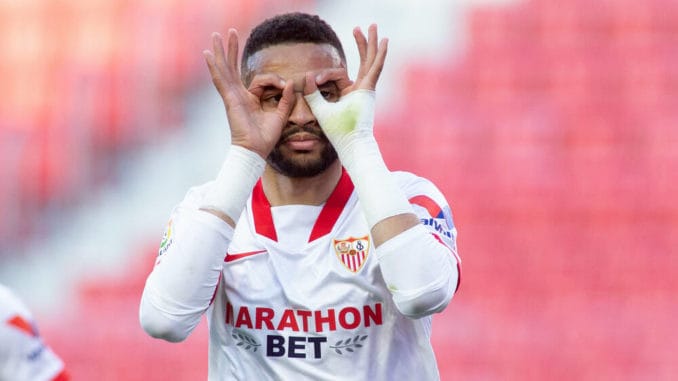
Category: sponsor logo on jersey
<point>439,225</point>
<point>352,252</point>
<point>435,211</point>
<point>302,334</point>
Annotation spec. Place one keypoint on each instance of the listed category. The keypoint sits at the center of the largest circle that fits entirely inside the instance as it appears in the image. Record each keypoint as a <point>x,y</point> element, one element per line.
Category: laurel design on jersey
<point>349,344</point>
<point>352,252</point>
<point>245,341</point>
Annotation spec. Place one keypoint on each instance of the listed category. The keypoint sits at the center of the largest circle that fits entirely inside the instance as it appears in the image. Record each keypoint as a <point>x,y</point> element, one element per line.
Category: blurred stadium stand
<point>553,132</point>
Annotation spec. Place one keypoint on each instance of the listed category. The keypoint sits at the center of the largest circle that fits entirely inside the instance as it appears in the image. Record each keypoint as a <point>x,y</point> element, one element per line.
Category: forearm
<point>182,284</point>
<point>185,277</point>
<point>349,126</point>
<point>421,272</point>
<point>386,208</point>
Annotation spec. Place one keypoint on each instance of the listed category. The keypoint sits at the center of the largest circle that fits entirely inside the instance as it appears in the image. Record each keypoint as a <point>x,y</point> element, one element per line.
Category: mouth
<point>301,141</point>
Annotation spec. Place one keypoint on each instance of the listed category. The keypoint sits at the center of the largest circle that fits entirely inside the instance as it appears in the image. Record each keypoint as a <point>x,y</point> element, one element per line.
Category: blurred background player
<point>23,354</point>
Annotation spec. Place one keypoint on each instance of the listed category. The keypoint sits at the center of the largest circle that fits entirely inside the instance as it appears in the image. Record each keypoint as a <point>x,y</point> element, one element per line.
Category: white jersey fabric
<point>300,294</point>
<point>23,355</point>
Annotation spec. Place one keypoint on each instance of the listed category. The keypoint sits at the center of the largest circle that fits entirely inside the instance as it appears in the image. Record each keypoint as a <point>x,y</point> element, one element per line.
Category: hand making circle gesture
<point>251,126</point>
<point>372,57</point>
<point>352,117</point>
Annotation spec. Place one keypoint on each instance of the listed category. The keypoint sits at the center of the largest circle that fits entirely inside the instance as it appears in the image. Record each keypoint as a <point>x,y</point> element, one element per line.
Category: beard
<point>302,165</point>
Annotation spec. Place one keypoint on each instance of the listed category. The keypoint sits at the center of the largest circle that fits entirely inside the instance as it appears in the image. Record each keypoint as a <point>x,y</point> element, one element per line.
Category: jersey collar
<point>263,219</point>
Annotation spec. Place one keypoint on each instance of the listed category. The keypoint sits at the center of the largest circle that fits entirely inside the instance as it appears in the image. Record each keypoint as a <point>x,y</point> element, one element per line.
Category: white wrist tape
<point>378,191</point>
<point>348,125</point>
<point>233,185</point>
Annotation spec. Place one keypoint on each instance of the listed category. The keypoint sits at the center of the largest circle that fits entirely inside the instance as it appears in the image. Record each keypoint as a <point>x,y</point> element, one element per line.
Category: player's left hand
<point>372,57</point>
<point>353,115</point>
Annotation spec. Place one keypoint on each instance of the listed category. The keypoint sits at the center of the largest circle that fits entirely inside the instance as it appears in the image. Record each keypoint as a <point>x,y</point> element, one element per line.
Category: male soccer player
<point>311,259</point>
<point>23,354</point>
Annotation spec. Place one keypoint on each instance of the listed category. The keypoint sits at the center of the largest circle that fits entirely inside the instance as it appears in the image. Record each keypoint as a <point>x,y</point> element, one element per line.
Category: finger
<point>372,40</point>
<point>361,43</point>
<point>218,49</point>
<point>310,84</point>
<point>375,71</point>
<point>214,71</point>
<point>233,50</point>
<point>287,100</point>
<point>262,82</point>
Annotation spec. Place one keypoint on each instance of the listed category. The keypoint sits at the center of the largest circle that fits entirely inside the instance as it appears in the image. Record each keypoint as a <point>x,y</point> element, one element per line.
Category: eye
<point>330,93</point>
<point>326,94</point>
<point>271,97</point>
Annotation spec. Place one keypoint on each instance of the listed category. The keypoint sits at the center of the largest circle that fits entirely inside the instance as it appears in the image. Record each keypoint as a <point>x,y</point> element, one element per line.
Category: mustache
<point>286,133</point>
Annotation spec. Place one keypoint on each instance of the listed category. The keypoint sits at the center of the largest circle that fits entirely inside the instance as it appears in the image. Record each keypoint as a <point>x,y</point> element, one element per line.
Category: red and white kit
<point>23,355</point>
<point>299,291</point>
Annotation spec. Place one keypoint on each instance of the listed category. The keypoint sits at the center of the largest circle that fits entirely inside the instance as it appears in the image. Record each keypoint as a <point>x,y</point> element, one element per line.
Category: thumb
<point>313,97</point>
<point>310,85</point>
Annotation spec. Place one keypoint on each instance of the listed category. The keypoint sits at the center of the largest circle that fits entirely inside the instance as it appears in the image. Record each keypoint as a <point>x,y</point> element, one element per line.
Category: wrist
<point>348,125</point>
<point>377,188</point>
<point>231,188</point>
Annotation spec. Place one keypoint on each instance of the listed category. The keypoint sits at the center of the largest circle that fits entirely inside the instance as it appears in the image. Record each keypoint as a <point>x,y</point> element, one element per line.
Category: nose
<point>301,113</point>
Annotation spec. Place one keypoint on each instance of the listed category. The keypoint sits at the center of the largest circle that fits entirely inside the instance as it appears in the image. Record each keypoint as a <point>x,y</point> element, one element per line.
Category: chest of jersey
<point>293,272</point>
<point>302,295</point>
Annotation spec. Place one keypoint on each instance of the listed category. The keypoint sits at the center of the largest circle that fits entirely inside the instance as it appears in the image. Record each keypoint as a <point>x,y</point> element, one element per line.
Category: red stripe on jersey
<point>263,219</point>
<point>333,207</point>
<point>235,257</point>
<point>261,211</point>
<point>22,325</point>
<point>427,203</point>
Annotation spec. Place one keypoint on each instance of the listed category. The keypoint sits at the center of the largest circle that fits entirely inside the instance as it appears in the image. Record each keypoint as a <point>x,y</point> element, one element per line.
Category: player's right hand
<point>252,127</point>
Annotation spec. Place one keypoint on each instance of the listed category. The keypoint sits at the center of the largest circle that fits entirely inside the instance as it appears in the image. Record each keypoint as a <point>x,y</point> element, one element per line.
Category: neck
<point>283,190</point>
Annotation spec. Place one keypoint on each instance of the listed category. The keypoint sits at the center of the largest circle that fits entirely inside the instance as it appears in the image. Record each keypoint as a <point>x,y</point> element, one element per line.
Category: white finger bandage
<point>233,185</point>
<point>350,118</point>
<point>348,125</point>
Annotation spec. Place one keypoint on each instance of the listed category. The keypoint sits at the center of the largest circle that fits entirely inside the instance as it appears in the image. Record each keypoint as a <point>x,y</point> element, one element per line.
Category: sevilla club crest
<point>352,252</point>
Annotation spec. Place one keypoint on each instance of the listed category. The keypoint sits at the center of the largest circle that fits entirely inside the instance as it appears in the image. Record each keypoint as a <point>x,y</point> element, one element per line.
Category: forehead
<point>292,61</point>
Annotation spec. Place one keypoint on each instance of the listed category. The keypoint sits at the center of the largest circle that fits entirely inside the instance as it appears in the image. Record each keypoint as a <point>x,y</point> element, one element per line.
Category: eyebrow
<point>298,87</point>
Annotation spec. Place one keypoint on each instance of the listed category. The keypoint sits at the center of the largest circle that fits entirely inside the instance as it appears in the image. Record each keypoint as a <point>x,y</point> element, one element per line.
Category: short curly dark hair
<point>294,27</point>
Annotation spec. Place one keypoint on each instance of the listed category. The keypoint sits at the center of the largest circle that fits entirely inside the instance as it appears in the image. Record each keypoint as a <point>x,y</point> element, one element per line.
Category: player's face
<point>303,150</point>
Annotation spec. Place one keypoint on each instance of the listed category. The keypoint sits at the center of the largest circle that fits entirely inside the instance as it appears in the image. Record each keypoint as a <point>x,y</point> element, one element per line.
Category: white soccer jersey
<point>302,297</point>
<point>23,355</point>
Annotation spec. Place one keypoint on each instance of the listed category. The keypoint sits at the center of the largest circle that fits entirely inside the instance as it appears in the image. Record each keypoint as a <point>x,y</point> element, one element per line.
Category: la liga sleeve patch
<point>166,241</point>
